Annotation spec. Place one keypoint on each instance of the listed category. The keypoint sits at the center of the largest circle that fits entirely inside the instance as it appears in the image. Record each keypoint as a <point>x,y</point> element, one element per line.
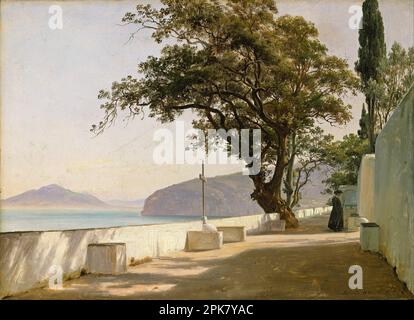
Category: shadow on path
<point>314,272</point>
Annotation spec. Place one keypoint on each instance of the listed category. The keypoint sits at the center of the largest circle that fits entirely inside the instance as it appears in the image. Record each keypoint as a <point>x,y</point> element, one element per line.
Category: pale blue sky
<point>50,79</point>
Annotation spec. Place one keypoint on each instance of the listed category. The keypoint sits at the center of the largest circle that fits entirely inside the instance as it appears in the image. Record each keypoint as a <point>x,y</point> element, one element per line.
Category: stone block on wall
<point>349,212</point>
<point>233,233</point>
<point>354,222</point>
<point>369,236</point>
<point>278,225</point>
<point>106,258</point>
<point>202,240</point>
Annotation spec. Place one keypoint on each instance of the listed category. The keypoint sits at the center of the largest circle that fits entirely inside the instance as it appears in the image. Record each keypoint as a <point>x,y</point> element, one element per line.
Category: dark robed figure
<point>336,220</point>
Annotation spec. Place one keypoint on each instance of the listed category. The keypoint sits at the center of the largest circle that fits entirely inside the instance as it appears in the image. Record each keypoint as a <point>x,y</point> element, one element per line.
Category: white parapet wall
<point>311,212</point>
<point>394,190</point>
<point>366,187</point>
<point>27,257</point>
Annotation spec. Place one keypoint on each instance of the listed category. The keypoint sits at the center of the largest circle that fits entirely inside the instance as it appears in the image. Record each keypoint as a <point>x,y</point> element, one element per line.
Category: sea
<point>12,220</point>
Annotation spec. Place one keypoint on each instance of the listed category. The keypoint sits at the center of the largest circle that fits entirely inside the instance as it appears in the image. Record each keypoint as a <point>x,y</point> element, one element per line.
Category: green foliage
<point>370,54</point>
<point>344,159</point>
<point>371,40</point>
<point>363,121</point>
<point>235,64</point>
<point>396,75</point>
<point>394,79</point>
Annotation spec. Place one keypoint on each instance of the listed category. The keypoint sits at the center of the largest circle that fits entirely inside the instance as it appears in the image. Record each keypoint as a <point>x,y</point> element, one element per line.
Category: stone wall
<point>366,187</point>
<point>26,257</point>
<point>394,190</point>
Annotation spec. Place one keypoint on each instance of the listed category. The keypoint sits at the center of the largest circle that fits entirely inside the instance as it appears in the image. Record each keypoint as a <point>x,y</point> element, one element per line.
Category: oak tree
<point>236,64</point>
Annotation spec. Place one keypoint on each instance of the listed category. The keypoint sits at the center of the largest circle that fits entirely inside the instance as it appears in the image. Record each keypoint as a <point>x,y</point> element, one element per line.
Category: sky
<point>50,80</point>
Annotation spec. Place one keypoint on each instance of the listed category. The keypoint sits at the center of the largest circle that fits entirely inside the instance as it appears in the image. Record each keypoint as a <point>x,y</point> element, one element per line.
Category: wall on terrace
<point>366,187</point>
<point>394,189</point>
<point>25,257</point>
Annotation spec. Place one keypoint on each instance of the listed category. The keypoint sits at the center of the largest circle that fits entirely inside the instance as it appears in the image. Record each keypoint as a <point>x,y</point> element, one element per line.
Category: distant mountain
<point>54,195</point>
<point>127,204</point>
<point>227,195</point>
<point>312,194</point>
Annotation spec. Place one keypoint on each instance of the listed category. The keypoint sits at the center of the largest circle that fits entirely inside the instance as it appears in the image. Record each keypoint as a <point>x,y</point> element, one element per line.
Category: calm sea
<point>52,219</point>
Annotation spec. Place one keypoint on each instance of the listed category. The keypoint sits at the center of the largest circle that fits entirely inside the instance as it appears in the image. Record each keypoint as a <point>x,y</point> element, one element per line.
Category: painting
<point>207,150</point>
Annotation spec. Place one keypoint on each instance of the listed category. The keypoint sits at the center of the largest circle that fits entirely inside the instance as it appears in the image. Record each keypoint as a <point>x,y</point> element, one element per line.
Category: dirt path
<point>308,263</point>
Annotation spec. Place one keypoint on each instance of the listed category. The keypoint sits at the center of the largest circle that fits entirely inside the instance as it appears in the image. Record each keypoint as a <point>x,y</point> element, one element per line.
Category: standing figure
<point>336,220</point>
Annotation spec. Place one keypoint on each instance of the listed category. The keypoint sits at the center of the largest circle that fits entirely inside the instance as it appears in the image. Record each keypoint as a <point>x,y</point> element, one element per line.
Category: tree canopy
<point>371,52</point>
<point>236,64</point>
<point>344,159</point>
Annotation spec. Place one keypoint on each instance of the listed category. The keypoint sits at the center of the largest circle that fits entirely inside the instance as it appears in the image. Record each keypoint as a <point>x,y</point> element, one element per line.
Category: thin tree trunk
<point>371,125</point>
<point>289,172</point>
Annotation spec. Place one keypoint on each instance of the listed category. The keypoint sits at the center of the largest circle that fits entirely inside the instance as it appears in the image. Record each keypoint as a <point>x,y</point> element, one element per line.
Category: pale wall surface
<point>366,187</point>
<point>25,257</point>
<point>349,201</point>
<point>349,196</point>
<point>394,190</point>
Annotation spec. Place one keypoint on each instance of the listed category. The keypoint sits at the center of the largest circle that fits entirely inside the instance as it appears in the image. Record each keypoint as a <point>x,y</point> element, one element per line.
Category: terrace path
<point>307,263</point>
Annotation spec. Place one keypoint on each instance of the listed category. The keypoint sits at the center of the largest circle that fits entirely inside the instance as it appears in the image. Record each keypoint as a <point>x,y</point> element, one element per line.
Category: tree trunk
<point>273,204</point>
<point>371,125</point>
<point>286,213</point>
<point>269,194</point>
<point>289,172</point>
<point>295,198</point>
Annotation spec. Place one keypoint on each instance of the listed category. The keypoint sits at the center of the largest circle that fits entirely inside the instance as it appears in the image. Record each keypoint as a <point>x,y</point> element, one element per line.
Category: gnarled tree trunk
<point>269,194</point>
<point>272,204</point>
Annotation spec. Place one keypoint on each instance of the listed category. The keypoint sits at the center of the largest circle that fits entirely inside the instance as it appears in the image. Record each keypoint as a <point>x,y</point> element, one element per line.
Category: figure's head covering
<point>337,192</point>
